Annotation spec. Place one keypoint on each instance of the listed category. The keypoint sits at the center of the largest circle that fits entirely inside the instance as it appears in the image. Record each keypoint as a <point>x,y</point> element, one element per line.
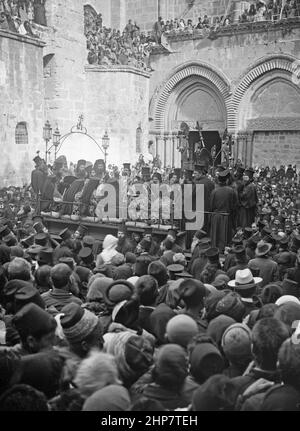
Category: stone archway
<point>265,111</point>
<point>265,65</point>
<point>180,84</point>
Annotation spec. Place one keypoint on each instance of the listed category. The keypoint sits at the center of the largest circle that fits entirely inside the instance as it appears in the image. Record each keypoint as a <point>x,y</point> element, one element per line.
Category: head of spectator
<point>218,393</point>
<point>236,345</point>
<point>147,290</point>
<point>60,276</point>
<point>192,293</point>
<point>43,279</point>
<point>181,329</point>
<point>171,367</point>
<point>36,328</point>
<point>112,398</point>
<point>205,358</point>
<point>271,293</point>
<point>42,371</point>
<point>23,398</point>
<point>19,269</point>
<point>288,313</point>
<point>159,271</point>
<point>289,363</point>
<point>142,264</point>
<point>82,329</point>
<point>217,327</point>
<point>95,372</point>
<point>267,337</point>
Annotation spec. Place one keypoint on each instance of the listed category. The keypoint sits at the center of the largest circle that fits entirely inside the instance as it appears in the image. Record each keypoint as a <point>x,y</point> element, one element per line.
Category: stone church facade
<point>244,78</point>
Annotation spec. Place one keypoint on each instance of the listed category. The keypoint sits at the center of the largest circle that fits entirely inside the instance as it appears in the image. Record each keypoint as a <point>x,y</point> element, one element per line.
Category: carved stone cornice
<point>116,69</point>
<point>256,27</point>
<point>22,38</point>
<point>276,124</point>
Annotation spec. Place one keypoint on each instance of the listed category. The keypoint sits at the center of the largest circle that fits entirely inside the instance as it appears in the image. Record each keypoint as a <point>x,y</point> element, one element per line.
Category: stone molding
<point>256,27</point>
<point>22,38</point>
<point>159,101</point>
<point>260,68</point>
<point>116,69</point>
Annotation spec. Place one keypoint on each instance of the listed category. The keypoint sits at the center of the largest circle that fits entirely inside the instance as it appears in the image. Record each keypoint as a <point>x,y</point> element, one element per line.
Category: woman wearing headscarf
<point>95,298</point>
<point>110,244</point>
<point>95,372</point>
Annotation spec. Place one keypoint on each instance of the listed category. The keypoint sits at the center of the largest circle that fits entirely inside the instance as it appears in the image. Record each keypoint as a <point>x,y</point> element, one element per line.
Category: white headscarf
<point>109,248</point>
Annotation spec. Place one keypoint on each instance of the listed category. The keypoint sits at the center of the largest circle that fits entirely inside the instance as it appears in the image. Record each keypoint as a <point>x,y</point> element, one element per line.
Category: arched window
<point>49,65</point>
<point>21,133</point>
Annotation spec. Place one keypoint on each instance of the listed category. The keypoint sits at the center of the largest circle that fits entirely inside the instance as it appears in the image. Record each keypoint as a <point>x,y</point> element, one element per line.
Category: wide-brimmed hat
<point>244,280</point>
<point>262,248</point>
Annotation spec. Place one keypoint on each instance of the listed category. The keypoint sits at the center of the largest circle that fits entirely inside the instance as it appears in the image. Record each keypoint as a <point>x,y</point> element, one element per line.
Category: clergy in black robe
<point>201,178</point>
<point>69,196</point>
<point>248,200</point>
<point>89,187</point>
<point>38,175</point>
<point>223,207</point>
<point>47,193</point>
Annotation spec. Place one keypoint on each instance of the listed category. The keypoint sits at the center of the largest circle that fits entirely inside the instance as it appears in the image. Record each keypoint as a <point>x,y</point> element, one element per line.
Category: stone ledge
<point>255,27</point>
<point>21,38</point>
<point>116,69</point>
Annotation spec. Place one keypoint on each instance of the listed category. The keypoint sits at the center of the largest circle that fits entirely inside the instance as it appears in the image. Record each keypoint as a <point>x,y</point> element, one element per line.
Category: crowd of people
<point>108,46</point>
<point>252,11</point>
<point>18,15</point>
<point>140,322</point>
<point>272,10</point>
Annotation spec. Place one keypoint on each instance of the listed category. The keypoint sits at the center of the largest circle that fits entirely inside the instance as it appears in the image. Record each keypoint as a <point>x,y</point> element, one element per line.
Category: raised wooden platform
<point>96,229</point>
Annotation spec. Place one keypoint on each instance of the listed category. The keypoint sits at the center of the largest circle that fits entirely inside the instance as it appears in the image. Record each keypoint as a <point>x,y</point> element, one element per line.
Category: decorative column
<point>173,150</point>
<point>165,138</point>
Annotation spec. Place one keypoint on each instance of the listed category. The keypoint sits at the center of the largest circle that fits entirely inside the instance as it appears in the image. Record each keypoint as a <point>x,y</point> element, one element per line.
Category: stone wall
<point>22,100</point>
<point>276,148</point>
<point>67,43</point>
<point>117,101</point>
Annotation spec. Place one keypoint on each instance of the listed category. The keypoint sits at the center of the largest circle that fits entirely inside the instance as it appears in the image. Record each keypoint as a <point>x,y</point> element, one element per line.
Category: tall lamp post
<point>47,136</point>
<point>56,140</point>
<point>105,145</point>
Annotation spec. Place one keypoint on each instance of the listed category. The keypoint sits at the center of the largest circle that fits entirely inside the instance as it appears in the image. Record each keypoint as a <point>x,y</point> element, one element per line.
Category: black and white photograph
<point>149,209</point>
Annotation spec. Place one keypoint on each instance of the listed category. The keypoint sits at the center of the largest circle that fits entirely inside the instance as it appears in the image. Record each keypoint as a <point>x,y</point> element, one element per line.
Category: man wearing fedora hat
<point>268,269</point>
<point>246,286</point>
<point>241,260</point>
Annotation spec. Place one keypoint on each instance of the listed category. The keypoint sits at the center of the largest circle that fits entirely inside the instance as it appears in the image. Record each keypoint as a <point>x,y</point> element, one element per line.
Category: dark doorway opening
<point>211,139</point>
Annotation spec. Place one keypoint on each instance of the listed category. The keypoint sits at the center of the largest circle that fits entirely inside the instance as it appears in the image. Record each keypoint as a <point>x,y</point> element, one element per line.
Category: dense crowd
<point>18,15</point>
<point>108,46</point>
<point>272,10</point>
<point>140,321</point>
<point>252,11</point>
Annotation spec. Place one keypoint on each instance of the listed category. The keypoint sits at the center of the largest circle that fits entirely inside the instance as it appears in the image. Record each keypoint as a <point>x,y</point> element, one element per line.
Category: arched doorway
<point>267,114</point>
<point>193,93</point>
